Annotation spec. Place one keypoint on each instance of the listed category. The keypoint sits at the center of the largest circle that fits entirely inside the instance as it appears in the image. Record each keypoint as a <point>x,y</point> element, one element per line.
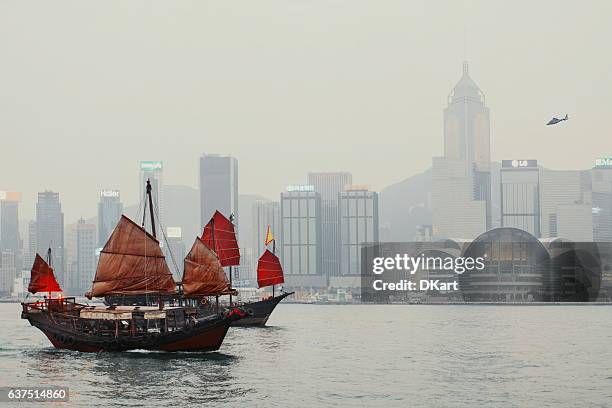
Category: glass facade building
<point>110,209</point>
<point>520,195</point>
<point>301,232</point>
<point>358,216</point>
<point>329,186</point>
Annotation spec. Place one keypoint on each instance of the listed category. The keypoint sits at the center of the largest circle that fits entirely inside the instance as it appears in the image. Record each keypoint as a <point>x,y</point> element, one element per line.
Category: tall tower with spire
<point>461,194</point>
<point>466,125</point>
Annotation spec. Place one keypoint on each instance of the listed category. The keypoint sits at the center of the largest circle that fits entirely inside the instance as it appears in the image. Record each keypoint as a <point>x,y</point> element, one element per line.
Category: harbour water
<point>358,355</point>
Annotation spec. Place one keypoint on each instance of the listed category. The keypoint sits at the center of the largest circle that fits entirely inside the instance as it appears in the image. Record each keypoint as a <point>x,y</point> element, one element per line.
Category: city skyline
<point>289,95</point>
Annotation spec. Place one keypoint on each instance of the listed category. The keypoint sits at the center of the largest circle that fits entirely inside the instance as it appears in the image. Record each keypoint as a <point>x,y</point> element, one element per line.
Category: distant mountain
<point>405,205</point>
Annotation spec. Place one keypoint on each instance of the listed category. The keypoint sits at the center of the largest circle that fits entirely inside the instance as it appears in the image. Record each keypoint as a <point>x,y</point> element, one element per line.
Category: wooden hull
<point>261,311</point>
<point>205,335</point>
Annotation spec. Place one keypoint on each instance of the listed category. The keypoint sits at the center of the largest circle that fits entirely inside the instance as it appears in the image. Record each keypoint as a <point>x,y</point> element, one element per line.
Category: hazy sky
<point>87,89</point>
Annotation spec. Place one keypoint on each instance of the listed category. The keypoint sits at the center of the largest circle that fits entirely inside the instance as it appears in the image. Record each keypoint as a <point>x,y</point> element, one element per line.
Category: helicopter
<point>554,121</point>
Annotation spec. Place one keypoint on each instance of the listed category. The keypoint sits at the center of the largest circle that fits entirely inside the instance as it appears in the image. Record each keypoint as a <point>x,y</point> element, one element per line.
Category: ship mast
<point>151,211</point>
<point>231,218</point>
<point>49,263</point>
<point>273,253</point>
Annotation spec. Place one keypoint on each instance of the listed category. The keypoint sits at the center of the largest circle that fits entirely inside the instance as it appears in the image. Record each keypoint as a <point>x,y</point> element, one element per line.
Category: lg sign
<point>519,163</point>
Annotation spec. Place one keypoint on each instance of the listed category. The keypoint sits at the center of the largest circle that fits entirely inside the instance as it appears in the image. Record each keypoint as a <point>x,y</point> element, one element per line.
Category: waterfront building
<point>301,240</point>
<point>359,224</point>
<point>520,195</point>
<point>329,185</point>
<point>20,285</point>
<point>565,199</point>
<point>602,200</point>
<point>520,268</point>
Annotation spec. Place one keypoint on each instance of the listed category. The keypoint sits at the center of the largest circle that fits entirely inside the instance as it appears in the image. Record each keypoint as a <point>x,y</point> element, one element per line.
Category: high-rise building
<point>520,195</point>
<point>86,241</point>
<point>110,209</point>
<point>8,272</point>
<point>32,245</point>
<point>575,222</point>
<point>602,200</point>
<point>565,197</point>
<point>152,170</point>
<point>218,187</point>
<point>50,232</point>
<point>247,271</point>
<point>175,252</point>
<point>71,262</point>
<point>301,240</point>
<point>358,220</point>
<point>9,224</point>
<point>455,213</point>
<point>264,214</point>
<point>329,186</point>
<point>461,180</point>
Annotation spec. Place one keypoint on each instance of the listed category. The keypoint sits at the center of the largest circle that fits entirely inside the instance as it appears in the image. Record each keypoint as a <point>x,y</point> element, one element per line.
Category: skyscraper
<point>32,246</point>
<point>175,251</point>
<point>264,214</point>
<point>9,224</point>
<point>565,198</point>
<point>466,126</point>
<point>8,272</point>
<point>520,195</point>
<point>50,231</point>
<point>218,187</point>
<point>301,242</point>
<point>602,200</point>
<point>461,190</point>
<point>110,209</point>
<point>358,219</point>
<point>86,241</point>
<point>329,186</point>
<point>153,171</point>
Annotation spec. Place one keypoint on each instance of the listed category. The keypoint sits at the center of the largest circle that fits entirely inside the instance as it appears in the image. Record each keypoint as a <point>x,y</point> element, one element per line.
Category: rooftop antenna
<point>465,51</point>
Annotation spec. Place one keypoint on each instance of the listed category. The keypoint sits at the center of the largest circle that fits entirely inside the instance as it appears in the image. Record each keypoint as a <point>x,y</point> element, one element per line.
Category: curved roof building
<point>515,269</point>
<point>520,268</point>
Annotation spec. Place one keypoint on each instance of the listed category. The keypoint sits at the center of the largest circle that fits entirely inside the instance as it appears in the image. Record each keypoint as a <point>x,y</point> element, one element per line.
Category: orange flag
<point>269,236</point>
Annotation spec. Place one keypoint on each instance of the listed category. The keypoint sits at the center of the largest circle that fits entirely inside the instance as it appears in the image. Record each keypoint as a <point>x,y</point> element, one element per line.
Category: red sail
<point>269,270</point>
<point>203,273</point>
<point>42,278</point>
<point>131,262</point>
<point>220,236</point>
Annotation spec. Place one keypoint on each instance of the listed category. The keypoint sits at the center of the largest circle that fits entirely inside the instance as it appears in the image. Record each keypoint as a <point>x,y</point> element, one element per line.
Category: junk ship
<point>132,264</point>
